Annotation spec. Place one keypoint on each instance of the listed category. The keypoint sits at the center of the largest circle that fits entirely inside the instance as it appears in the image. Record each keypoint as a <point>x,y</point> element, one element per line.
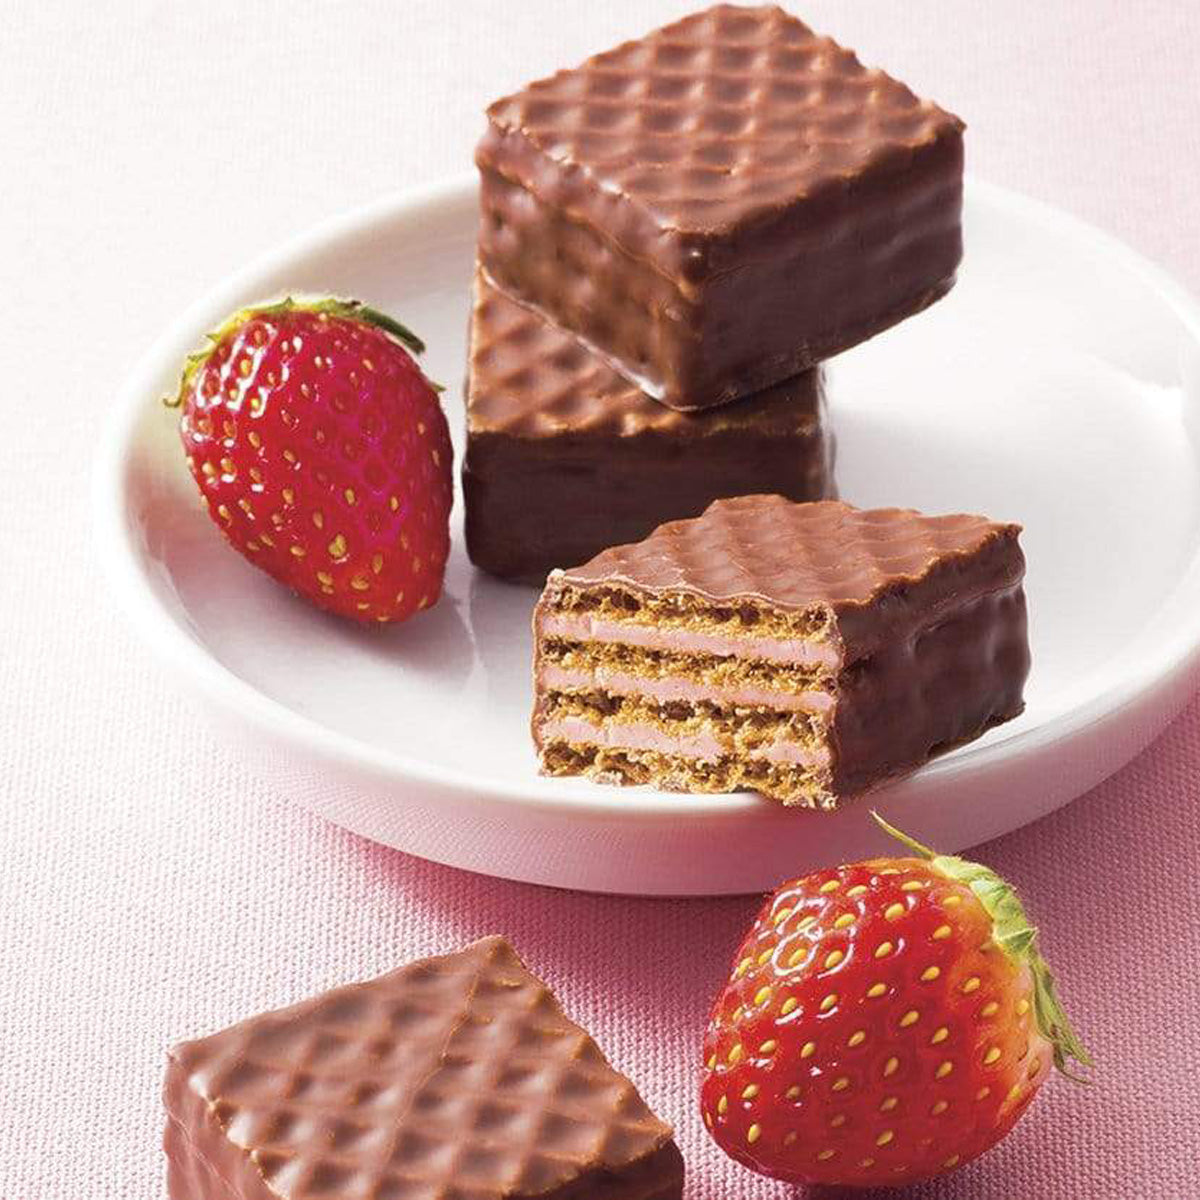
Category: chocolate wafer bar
<point>565,457</point>
<point>722,204</point>
<point>458,1076</point>
<point>805,651</point>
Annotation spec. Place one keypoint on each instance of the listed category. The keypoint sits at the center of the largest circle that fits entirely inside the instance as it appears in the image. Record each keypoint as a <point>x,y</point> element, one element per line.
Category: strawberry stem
<point>1013,933</point>
<point>351,310</point>
<point>355,310</point>
<point>903,838</point>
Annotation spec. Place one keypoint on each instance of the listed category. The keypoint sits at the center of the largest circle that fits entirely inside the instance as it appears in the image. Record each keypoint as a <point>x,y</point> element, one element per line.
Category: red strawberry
<point>323,454</point>
<point>885,1022</point>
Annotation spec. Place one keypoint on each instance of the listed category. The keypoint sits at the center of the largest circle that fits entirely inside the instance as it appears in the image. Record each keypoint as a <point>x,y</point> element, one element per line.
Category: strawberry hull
<point>323,456</point>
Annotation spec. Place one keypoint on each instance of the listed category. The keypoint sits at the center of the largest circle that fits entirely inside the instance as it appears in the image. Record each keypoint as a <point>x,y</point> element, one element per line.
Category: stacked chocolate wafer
<point>674,236</point>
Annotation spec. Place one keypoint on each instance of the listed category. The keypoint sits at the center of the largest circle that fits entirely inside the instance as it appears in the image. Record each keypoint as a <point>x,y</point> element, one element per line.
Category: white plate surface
<point>1058,385</point>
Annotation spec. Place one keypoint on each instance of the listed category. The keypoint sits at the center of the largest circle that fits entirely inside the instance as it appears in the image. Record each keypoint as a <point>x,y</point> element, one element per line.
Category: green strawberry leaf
<point>352,310</point>
<point>1014,934</point>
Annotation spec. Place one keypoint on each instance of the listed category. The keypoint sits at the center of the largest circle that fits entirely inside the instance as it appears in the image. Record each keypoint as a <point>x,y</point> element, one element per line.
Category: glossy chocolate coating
<point>455,1076</point>
<point>722,204</point>
<point>926,614</point>
<point>565,457</point>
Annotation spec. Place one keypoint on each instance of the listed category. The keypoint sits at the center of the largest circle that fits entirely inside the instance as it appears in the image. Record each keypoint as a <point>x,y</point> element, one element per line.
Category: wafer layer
<point>686,695</point>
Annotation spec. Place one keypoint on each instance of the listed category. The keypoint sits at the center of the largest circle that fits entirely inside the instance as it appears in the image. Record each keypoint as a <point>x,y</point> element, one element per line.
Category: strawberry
<point>323,455</point>
<point>885,1022</point>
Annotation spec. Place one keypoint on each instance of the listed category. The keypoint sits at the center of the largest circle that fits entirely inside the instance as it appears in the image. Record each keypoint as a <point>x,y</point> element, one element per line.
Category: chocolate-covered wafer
<point>806,651</point>
<point>458,1076</point>
<point>722,204</point>
<point>565,457</point>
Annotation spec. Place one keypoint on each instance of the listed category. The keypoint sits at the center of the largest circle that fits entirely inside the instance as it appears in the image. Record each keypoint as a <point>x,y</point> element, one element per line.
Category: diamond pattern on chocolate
<point>529,378</point>
<point>455,1078</point>
<point>721,117</point>
<point>793,555</point>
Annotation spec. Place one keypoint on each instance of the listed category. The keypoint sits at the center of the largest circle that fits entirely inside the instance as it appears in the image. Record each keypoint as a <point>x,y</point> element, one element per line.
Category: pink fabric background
<point>151,889</point>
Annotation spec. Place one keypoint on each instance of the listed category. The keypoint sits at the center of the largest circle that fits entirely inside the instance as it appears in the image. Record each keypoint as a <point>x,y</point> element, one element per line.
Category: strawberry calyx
<point>1013,933</point>
<point>352,310</point>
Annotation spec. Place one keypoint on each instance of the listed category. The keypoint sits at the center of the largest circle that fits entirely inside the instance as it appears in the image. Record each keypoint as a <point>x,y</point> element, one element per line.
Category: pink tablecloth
<point>150,889</point>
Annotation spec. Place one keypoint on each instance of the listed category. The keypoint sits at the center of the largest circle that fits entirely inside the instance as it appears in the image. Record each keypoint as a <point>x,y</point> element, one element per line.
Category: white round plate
<point>1057,385</point>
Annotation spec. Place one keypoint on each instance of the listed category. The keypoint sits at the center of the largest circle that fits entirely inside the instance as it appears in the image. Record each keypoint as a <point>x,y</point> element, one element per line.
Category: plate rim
<point>172,643</point>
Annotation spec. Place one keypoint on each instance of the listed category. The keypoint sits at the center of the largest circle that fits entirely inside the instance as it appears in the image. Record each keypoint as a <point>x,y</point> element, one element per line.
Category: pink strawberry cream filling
<point>581,627</point>
<point>638,736</point>
<point>620,683</point>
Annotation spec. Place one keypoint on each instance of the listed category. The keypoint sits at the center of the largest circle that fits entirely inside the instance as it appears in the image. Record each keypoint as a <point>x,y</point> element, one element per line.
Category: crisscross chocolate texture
<point>530,379</point>
<point>795,555</point>
<point>454,1078</point>
<point>721,117</point>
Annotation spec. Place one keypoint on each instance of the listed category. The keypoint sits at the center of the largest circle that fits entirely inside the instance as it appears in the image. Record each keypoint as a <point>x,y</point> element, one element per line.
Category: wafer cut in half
<point>804,651</point>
